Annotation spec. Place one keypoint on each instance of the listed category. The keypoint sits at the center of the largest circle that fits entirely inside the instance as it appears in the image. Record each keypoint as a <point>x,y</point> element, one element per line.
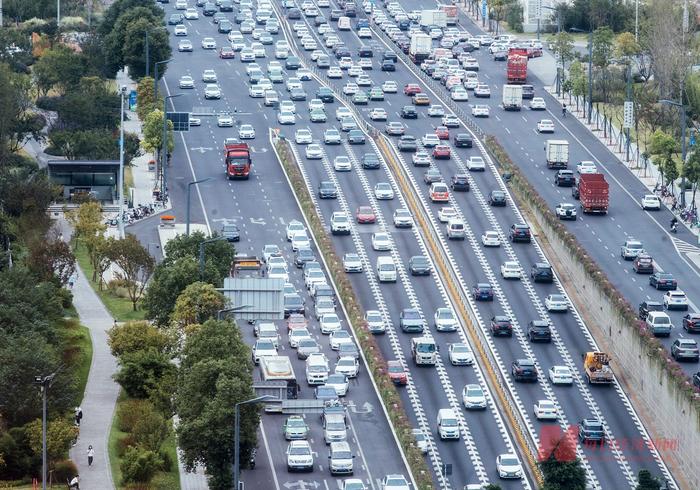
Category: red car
<point>227,52</point>
<point>411,89</point>
<point>441,152</point>
<point>397,373</point>
<point>439,192</point>
<point>365,215</point>
<point>691,322</point>
<point>296,320</point>
<point>442,132</point>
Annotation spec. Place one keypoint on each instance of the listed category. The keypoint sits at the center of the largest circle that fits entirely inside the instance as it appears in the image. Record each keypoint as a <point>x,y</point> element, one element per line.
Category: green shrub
<point>167,461</point>
<point>150,430</point>
<point>139,465</point>
<point>124,443</point>
<point>129,413</point>
<point>64,470</point>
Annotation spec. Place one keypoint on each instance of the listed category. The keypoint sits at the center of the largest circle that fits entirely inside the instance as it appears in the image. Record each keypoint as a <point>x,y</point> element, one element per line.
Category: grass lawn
<point>120,308</point>
<point>161,481</point>
<point>77,352</point>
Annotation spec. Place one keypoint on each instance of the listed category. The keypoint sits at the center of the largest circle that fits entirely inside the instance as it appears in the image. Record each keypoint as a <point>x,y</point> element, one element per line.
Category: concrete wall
<point>673,423</point>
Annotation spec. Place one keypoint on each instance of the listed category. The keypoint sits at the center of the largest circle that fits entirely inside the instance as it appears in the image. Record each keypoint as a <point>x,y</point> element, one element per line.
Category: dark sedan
<point>462,140</point>
<point>663,281</point>
<point>691,323</point>
<point>497,198</point>
<point>327,190</point>
<point>539,331</point>
<point>356,137</point>
<point>460,182</point>
<point>565,178</point>
<point>419,266</point>
<point>524,370</point>
<point>231,233</point>
<point>501,326</point>
<point>482,292</point>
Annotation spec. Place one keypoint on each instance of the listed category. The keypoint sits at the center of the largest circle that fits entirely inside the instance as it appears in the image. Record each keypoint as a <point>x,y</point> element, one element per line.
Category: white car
<point>212,91</point>
<point>314,152</point>
<point>299,456</point>
<point>421,158</point>
<point>296,335</point>
<point>347,365</point>
<point>436,110</point>
<point>278,261</point>
<point>508,466</point>
<point>545,126</point>
<point>247,55</point>
<point>181,5</point>
<point>342,163</point>
<point>381,242</point>
<point>300,240</point>
<point>476,163</point>
<point>445,320</point>
<point>473,397</point>
<point>491,239</point>
<point>184,45</point>
<point>256,91</point>
<point>303,137</point>
<point>545,410</point>
<point>374,321</point>
<point>339,382</point>
<point>191,14</point>
<point>675,300</point>
<point>403,218</point>
<point>565,210</point>
<point>480,110</point>
<point>390,87</point>
<point>352,262</point>
<point>383,191</point>
<point>394,482</point>
<point>586,167</point>
<point>186,81</point>
<point>224,121</point>
<point>378,114</point>
<point>277,272</point>
<point>195,121</point>
<point>350,88</point>
<point>511,270</point>
<point>270,250</point>
<point>209,76</point>
<point>355,71</point>
<point>208,43</point>
<point>329,323</point>
<point>342,112</point>
<point>365,64</point>
<point>180,30</point>
<point>286,117</point>
<point>482,90</point>
<point>538,104</point>
<point>334,72</point>
<point>560,375</point>
<point>556,302</point>
<point>364,81</point>
<point>246,132</point>
<point>364,33</point>
<point>460,354</point>
<point>263,347</point>
<point>446,213</point>
<point>451,121</point>
<point>651,201</point>
<point>430,140</point>
<point>338,337</point>
<point>459,94</point>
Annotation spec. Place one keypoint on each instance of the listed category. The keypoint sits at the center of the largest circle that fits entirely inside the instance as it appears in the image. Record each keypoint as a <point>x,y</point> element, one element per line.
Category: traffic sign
<point>483,9</point>
<point>628,119</point>
<point>181,120</point>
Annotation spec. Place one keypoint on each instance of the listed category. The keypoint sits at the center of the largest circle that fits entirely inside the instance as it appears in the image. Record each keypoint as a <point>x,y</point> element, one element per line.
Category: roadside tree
<point>135,266</point>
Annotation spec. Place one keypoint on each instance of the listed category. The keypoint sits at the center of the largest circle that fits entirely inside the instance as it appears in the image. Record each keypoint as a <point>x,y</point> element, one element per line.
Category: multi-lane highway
<point>263,205</point>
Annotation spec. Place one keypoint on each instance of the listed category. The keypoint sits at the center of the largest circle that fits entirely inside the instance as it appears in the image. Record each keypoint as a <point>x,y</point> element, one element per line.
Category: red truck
<point>593,192</point>
<point>516,66</point>
<point>237,160</point>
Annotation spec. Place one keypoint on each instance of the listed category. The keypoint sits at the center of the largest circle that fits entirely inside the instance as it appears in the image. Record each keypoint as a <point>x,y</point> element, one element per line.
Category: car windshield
<point>474,392</point>
<point>444,315</point>
<point>662,320</point>
<point>411,315</point>
<point>374,317</point>
<point>426,348</point>
<point>296,423</point>
<point>509,462</point>
<point>299,451</point>
<point>460,349</point>
<point>558,297</point>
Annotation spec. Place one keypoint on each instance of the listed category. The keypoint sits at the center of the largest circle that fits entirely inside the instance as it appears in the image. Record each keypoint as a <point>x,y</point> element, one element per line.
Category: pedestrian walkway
<point>195,480</point>
<point>101,391</point>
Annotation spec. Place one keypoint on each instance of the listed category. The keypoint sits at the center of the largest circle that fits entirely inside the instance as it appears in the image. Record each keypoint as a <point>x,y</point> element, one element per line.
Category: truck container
<point>237,160</point>
<point>557,154</point>
<point>512,97</point>
<point>516,65</point>
<point>424,351</point>
<point>597,368</point>
<point>433,18</point>
<point>593,192</point>
<point>276,370</point>
<point>450,13</point>
<point>420,48</point>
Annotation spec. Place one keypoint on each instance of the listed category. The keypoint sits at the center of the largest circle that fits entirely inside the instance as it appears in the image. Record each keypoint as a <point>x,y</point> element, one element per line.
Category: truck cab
<point>237,160</point>
<point>424,351</point>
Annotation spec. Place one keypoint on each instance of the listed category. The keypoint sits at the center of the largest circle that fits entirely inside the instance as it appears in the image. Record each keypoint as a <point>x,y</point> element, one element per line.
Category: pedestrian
<point>78,415</point>
<point>75,483</point>
<point>91,454</point>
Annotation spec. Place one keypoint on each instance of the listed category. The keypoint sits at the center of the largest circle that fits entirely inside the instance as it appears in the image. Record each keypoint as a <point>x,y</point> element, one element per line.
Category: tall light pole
<point>155,81</point>
<point>45,383</point>
<point>560,69</point>
<point>148,56</point>
<point>221,313</point>
<point>189,189</point>
<point>237,436</point>
<point>120,180</point>
<point>683,147</point>
<point>58,12</point>
<point>164,148</point>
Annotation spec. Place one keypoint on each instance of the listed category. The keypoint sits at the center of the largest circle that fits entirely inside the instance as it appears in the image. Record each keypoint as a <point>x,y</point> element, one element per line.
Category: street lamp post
<point>148,56</point>
<point>222,313</point>
<point>155,81</point>
<point>45,383</point>
<point>560,69</point>
<point>164,148</point>
<point>237,436</point>
<point>189,188</point>
<point>120,183</point>
<point>201,253</point>
<point>683,146</point>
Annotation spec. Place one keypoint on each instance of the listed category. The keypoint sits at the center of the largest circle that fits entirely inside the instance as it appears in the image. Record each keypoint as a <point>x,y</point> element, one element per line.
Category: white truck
<point>433,18</point>
<point>420,48</point>
<point>557,153</point>
<point>512,97</point>
<point>424,351</point>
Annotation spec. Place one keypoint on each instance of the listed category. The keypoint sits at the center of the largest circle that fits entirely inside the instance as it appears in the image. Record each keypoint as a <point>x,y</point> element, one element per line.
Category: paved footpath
<point>101,391</point>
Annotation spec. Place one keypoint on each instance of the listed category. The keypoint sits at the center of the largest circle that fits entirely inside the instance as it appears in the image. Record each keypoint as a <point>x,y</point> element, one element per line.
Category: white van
<point>267,330</point>
<point>455,229</point>
<point>340,458</point>
<point>386,269</point>
<point>334,428</point>
<point>447,424</point>
<point>344,24</point>
<point>317,369</point>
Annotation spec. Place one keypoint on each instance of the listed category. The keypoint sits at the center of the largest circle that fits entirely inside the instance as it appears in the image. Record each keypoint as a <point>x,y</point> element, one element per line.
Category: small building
<point>82,178</point>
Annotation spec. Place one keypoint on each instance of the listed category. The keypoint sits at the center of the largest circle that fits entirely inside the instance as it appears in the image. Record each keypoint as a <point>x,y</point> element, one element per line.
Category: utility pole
<point>120,180</point>
<point>590,73</point>
<point>58,13</point>
<point>148,56</point>
<point>45,383</point>
<point>0,13</point>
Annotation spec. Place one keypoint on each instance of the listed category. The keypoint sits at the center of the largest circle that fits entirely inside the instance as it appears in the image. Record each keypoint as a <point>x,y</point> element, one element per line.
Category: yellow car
<point>421,99</point>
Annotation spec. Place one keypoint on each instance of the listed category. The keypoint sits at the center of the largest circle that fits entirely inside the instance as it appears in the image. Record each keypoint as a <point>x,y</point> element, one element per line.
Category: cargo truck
<point>593,192</point>
<point>512,97</point>
<point>424,351</point>
<point>450,13</point>
<point>420,48</point>
<point>433,18</point>
<point>557,154</point>
<point>516,66</point>
<point>237,160</point>
<point>277,371</point>
<point>596,366</point>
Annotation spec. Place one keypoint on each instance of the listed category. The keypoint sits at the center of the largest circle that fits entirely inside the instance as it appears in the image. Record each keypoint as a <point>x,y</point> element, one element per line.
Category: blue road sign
<point>132,99</point>
<point>483,8</point>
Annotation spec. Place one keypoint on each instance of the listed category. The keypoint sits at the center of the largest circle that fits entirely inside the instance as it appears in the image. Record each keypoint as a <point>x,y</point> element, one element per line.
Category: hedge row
<point>375,360</point>
<point>526,193</point>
